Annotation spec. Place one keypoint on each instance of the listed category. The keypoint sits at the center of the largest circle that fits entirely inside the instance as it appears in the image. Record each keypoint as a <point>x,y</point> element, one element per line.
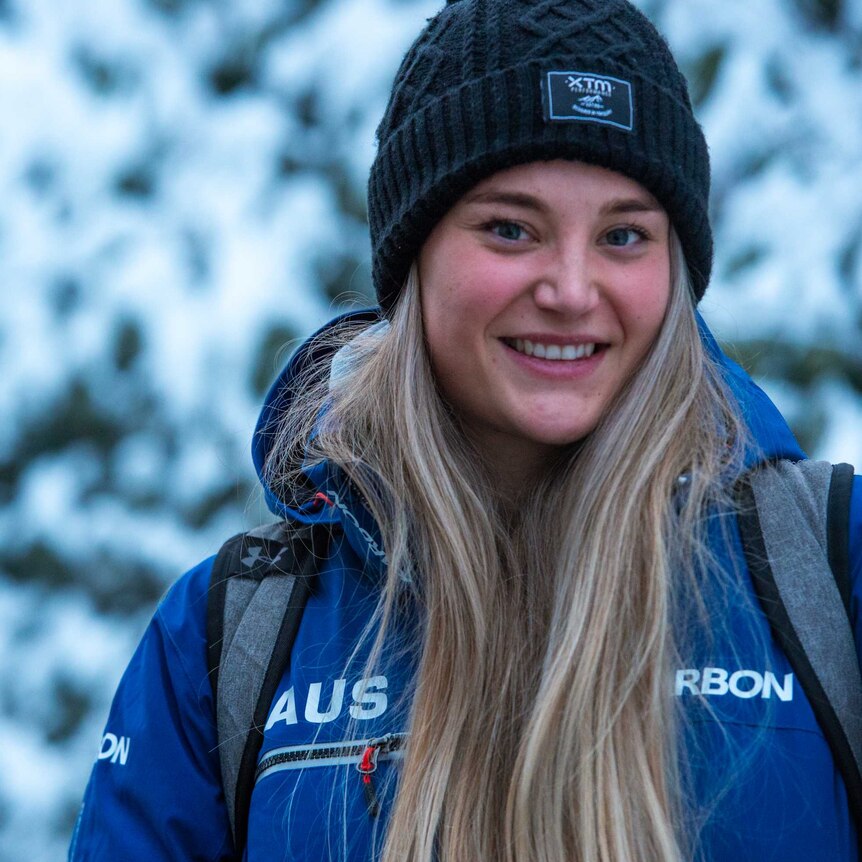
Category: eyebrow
<point>518,199</point>
<point>632,205</point>
<point>617,206</point>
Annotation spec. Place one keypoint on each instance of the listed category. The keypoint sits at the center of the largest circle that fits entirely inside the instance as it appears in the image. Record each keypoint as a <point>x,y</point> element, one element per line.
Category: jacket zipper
<point>364,755</point>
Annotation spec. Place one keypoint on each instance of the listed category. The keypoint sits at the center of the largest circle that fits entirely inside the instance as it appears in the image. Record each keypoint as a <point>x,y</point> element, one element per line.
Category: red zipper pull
<point>366,767</point>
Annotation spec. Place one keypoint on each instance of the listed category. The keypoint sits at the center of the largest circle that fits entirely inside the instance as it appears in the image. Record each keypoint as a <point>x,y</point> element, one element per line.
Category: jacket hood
<point>770,432</point>
<point>329,498</point>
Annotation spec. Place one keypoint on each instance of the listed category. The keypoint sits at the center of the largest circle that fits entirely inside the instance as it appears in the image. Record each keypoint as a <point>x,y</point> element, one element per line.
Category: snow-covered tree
<point>182,195</point>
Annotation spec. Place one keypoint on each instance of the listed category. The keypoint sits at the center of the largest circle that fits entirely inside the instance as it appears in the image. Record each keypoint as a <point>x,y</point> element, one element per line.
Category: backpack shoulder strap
<point>259,585</point>
<point>838,529</point>
<point>794,523</point>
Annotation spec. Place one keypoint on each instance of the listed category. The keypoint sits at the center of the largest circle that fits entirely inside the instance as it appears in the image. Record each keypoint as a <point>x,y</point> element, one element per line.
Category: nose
<point>569,284</point>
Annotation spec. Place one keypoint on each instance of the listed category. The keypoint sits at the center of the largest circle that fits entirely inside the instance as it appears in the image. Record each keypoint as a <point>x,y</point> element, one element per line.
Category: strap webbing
<point>838,529</point>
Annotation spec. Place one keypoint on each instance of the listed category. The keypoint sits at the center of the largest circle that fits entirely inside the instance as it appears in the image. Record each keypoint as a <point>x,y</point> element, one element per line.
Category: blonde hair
<point>543,725</point>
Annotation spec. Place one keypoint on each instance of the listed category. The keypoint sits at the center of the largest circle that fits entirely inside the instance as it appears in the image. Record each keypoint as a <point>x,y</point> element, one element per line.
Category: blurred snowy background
<point>182,194</point>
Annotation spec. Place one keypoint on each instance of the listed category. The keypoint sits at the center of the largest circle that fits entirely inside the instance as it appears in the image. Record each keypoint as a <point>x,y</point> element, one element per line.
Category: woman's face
<point>542,290</point>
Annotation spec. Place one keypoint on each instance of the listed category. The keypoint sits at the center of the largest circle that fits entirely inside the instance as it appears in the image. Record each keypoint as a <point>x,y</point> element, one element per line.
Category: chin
<point>554,434</point>
<point>558,438</point>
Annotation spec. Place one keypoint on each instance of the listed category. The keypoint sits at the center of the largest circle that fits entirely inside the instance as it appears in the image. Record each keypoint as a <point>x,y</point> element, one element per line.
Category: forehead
<point>561,179</point>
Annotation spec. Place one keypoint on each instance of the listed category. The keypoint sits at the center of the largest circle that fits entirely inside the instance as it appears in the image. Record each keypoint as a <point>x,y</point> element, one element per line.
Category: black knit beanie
<point>490,84</point>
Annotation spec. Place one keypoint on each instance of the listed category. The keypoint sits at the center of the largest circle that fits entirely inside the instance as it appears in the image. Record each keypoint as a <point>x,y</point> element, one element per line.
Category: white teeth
<point>553,351</point>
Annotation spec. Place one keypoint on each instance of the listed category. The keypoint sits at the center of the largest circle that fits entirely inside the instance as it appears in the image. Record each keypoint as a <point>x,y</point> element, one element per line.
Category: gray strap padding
<point>792,506</point>
<point>277,531</point>
<point>253,612</point>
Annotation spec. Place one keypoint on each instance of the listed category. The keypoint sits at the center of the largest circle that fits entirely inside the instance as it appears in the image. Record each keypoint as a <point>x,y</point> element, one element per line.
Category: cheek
<point>651,316</point>
<point>455,310</point>
<point>453,340</point>
<point>442,320</point>
<point>440,286</point>
<point>648,304</point>
<point>438,310</point>
<point>448,361</point>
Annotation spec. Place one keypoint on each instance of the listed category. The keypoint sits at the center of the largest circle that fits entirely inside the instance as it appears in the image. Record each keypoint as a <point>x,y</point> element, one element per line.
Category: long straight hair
<point>543,726</point>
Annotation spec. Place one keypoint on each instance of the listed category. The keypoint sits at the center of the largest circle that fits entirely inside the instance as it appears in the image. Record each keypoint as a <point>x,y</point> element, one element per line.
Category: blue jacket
<point>763,783</point>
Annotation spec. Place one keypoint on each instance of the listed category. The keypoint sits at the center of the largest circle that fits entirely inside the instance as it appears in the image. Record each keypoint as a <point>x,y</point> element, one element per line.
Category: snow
<point>156,231</point>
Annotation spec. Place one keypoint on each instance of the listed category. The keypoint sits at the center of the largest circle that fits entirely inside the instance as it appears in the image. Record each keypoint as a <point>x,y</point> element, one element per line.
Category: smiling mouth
<point>554,352</point>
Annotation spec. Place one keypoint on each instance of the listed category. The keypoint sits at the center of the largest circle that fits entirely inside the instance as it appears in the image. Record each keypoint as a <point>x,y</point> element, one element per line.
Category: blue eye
<point>620,237</point>
<point>507,230</point>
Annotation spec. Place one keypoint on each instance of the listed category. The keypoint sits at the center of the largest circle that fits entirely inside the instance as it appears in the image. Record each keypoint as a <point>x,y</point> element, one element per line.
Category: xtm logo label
<point>588,97</point>
<point>584,84</point>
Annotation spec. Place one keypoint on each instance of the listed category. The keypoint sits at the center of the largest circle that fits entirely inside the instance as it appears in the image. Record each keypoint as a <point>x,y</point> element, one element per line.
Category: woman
<point>527,466</point>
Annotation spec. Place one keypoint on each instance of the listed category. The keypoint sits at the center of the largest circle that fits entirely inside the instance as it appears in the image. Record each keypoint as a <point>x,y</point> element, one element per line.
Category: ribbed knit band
<point>461,109</point>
